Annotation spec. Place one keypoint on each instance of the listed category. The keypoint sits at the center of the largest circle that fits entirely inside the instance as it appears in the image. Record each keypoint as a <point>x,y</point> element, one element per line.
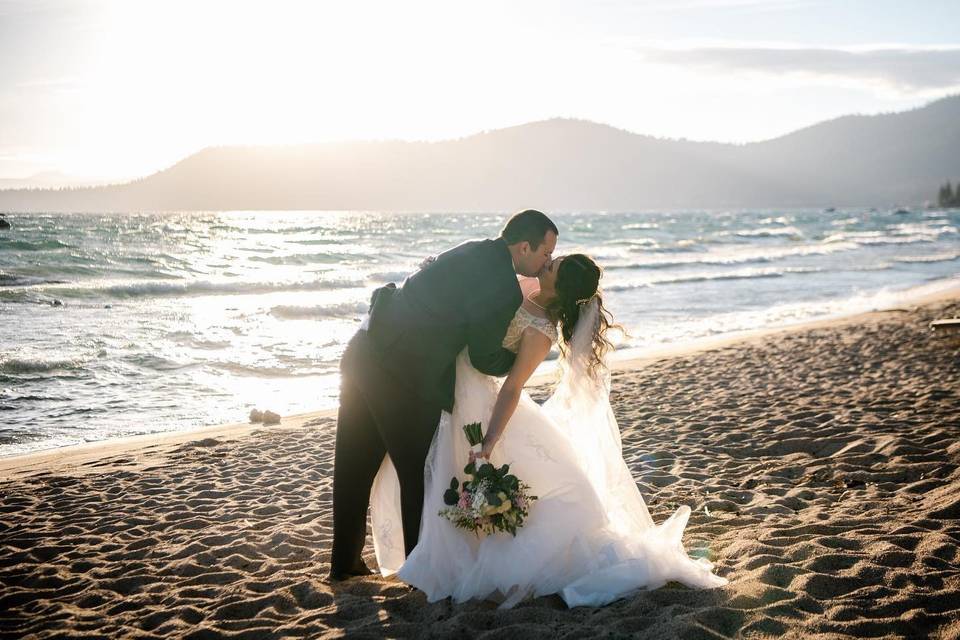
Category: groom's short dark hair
<point>529,225</point>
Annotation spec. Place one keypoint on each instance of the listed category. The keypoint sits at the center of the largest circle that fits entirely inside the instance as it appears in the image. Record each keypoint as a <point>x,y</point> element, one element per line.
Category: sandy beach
<point>822,463</point>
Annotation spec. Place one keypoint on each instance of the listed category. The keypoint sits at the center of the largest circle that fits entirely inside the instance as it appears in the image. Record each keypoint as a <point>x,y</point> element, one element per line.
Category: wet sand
<point>821,463</point>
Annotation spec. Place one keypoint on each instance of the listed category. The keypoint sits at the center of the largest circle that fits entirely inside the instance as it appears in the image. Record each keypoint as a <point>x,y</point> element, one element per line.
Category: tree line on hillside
<point>948,197</point>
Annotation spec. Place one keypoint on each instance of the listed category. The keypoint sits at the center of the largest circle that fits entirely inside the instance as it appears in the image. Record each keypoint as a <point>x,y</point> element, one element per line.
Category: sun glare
<point>168,79</point>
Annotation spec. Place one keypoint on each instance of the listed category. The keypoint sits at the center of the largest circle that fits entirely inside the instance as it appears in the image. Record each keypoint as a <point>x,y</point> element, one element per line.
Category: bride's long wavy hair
<point>578,283</point>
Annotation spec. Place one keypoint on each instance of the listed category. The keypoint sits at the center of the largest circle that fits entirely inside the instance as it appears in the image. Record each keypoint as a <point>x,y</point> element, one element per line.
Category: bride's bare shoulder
<point>528,285</point>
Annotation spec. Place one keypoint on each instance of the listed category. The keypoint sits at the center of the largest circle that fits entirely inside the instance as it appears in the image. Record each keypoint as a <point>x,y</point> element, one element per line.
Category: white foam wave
<point>895,234</point>
<point>391,276</point>
<point>742,274</point>
<point>338,310</point>
<point>150,289</point>
<point>769,233</point>
<point>724,257</point>
<point>844,222</point>
<point>261,371</point>
<point>38,365</point>
<point>936,257</point>
<point>781,315</point>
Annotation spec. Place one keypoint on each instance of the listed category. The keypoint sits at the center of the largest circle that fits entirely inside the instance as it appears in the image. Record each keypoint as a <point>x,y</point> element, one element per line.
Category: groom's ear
<point>524,247</point>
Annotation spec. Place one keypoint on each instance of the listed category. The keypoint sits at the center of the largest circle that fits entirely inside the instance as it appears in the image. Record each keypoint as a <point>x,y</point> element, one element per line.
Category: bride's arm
<point>534,347</point>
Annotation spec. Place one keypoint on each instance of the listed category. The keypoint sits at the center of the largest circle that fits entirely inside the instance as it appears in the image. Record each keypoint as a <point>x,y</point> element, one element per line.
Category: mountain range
<point>556,165</point>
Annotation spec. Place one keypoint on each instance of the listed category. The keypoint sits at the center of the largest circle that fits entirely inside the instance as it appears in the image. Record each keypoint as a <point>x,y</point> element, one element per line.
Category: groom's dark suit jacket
<point>466,297</point>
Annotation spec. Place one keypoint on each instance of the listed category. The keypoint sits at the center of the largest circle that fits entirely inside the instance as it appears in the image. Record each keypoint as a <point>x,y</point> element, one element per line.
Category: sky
<point>109,90</point>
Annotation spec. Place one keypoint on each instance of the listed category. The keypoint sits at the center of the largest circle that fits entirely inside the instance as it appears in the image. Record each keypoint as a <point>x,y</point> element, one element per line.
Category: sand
<point>821,463</point>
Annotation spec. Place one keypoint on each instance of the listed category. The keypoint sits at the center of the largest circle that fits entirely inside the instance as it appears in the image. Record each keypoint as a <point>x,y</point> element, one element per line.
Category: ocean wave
<point>303,258</point>
<point>683,246</point>
<point>749,274</point>
<point>150,289</point>
<point>155,362</point>
<point>883,237</point>
<point>10,280</point>
<point>640,226</point>
<point>271,230</point>
<point>23,245</point>
<point>339,244</point>
<point>936,257</point>
<point>188,338</point>
<point>390,276</point>
<point>768,233</point>
<point>742,256</point>
<point>337,310</point>
<point>35,398</point>
<point>260,371</point>
<point>643,243</point>
<point>898,240</point>
<point>38,365</point>
<point>907,229</point>
<point>844,222</point>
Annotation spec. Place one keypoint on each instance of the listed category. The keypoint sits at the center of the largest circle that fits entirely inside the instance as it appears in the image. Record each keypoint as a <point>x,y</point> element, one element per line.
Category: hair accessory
<point>586,300</point>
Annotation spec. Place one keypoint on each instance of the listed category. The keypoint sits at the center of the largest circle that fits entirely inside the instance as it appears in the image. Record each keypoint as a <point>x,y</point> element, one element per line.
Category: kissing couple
<point>454,344</point>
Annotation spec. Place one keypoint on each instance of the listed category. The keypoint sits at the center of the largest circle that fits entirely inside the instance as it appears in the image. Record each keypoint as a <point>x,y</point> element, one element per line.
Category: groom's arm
<point>485,343</point>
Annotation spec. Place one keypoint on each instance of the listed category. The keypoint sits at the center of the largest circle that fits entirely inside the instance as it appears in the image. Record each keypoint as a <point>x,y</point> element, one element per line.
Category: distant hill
<point>880,160</point>
<point>47,180</point>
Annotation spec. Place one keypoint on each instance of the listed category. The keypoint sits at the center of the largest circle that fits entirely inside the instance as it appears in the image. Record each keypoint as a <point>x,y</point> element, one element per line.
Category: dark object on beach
<point>269,417</point>
<point>946,325</point>
<point>56,303</point>
<point>901,212</point>
<point>829,210</point>
<point>256,415</point>
<point>4,223</point>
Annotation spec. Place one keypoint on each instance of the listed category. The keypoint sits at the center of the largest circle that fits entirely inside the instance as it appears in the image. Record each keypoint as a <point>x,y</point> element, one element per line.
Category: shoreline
<point>137,450</point>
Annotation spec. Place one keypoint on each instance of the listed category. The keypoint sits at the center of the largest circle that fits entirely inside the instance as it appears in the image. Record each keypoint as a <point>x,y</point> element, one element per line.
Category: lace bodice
<point>523,319</point>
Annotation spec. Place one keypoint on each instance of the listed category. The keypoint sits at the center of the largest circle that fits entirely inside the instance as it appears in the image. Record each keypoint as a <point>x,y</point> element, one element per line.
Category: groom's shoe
<point>356,572</point>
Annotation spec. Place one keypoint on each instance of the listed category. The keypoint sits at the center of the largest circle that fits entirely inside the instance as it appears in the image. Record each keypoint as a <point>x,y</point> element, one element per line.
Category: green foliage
<point>499,489</point>
<point>948,197</point>
<point>474,432</point>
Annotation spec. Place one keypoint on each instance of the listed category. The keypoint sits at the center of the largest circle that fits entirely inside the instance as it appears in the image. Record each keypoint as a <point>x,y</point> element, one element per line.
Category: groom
<point>397,375</point>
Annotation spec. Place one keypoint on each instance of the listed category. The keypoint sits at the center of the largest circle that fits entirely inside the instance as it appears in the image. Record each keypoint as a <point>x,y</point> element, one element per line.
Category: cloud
<point>905,68</point>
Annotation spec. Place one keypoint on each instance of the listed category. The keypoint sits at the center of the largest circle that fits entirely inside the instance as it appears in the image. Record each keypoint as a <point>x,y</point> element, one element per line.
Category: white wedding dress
<point>589,537</point>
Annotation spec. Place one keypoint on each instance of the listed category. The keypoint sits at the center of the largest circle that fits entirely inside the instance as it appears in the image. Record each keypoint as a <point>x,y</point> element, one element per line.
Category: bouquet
<point>491,500</point>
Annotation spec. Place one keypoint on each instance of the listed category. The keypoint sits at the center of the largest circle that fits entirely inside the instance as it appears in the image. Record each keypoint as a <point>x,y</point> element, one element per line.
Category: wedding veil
<point>580,408</point>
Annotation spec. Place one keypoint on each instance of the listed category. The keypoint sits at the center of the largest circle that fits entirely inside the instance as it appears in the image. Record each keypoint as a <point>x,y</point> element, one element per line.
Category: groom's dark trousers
<point>398,375</point>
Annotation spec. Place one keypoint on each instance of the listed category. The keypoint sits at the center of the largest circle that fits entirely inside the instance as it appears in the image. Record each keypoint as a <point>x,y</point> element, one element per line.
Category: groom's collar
<point>506,251</point>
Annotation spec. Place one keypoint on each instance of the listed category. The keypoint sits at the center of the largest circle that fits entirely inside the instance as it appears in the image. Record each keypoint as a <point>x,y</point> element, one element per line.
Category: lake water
<point>116,325</point>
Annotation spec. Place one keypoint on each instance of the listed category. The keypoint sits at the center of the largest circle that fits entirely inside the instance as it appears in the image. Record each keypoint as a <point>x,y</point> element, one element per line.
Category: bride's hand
<point>485,451</point>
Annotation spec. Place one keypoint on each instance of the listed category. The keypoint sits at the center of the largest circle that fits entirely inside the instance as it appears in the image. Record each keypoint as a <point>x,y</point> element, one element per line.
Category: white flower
<point>480,496</point>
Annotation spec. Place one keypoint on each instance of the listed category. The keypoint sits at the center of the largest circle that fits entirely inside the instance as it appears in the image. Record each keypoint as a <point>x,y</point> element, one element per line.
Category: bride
<point>589,537</point>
